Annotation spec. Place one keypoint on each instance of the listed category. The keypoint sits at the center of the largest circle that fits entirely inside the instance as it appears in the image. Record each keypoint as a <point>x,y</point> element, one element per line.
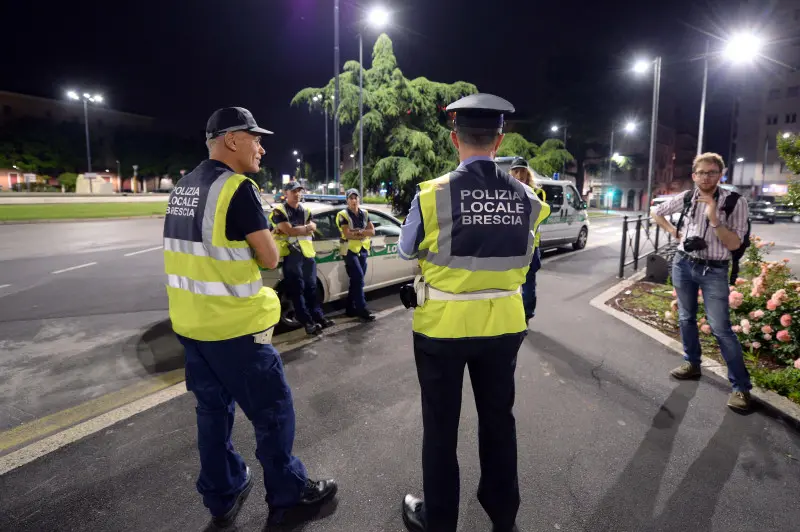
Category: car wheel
<point>796,218</point>
<point>583,236</point>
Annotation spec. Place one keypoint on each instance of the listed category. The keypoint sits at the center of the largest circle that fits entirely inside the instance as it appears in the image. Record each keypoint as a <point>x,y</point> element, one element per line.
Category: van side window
<point>573,198</point>
<point>554,195</point>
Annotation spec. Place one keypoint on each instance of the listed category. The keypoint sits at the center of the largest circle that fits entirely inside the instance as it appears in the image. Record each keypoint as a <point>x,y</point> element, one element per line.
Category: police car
<point>384,266</point>
<point>568,224</point>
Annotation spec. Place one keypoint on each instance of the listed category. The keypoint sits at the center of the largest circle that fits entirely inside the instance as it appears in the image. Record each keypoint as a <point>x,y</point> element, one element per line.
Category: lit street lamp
<point>318,99</point>
<point>378,17</point>
<point>86,99</point>
<point>629,127</point>
<point>640,68</point>
<point>787,135</point>
<point>740,160</point>
<point>554,128</point>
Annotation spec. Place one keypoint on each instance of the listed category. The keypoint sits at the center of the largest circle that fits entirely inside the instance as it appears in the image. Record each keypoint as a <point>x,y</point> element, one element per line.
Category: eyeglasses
<point>703,173</point>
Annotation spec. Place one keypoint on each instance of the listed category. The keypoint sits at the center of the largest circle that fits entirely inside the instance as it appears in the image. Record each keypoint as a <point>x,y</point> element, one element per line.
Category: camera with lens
<point>694,243</point>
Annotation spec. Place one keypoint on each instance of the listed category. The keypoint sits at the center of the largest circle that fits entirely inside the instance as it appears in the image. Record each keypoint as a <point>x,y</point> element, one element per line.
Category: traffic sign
<point>90,175</point>
<point>555,176</point>
<point>29,178</point>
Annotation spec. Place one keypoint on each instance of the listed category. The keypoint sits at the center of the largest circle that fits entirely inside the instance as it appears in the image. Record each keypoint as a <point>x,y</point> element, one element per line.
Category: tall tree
<point>546,159</point>
<point>406,140</point>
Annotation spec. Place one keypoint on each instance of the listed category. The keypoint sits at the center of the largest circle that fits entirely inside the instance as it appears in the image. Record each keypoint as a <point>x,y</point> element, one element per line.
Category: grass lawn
<point>55,211</point>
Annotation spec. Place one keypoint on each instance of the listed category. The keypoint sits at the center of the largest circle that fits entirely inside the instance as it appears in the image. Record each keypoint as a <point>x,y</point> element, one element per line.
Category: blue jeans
<point>356,266</point>
<point>529,288</point>
<point>687,279</point>
<point>221,374</point>
<point>300,276</point>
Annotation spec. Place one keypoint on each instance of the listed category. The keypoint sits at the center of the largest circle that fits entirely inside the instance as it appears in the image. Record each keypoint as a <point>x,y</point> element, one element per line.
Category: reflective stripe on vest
<point>210,288</point>
<point>306,241</point>
<point>199,249</point>
<point>353,245</point>
<point>443,257</point>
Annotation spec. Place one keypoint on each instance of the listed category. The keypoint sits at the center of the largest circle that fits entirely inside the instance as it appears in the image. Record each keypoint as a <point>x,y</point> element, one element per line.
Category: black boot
<point>325,323</point>
<point>414,514</point>
<point>315,495</point>
<point>226,520</point>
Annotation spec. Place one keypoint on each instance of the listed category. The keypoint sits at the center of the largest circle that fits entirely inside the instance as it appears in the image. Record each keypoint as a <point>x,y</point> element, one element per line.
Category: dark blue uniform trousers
<point>356,266</point>
<point>529,288</point>
<point>440,368</point>
<point>300,276</point>
<point>241,371</point>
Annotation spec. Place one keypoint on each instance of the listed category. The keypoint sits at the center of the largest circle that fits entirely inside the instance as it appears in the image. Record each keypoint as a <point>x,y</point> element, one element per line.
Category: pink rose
<point>746,330</point>
<point>772,244</point>
<point>700,293</point>
<point>766,329</point>
<point>731,288</point>
<point>674,293</point>
<point>784,336</point>
<point>772,305</point>
<point>735,299</point>
<point>703,320</point>
<point>786,261</point>
<point>797,363</point>
<point>745,323</point>
<point>760,245</point>
<point>740,281</point>
<point>767,337</point>
<point>758,314</point>
<point>756,345</point>
<point>737,329</point>
<point>786,320</point>
<point>706,328</point>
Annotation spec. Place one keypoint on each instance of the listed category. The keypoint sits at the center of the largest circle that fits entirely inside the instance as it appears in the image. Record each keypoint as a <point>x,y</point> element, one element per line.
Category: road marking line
<point>142,251</point>
<point>4,285</point>
<point>74,268</point>
<point>113,408</point>
<point>607,229</point>
<point>795,251</point>
<point>56,441</point>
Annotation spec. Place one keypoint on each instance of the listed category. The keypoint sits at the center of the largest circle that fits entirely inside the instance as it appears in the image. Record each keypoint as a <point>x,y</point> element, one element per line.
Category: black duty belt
<point>704,262</point>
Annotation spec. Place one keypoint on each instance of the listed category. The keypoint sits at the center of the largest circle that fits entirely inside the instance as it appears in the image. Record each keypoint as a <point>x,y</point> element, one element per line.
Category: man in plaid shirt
<point>706,239</point>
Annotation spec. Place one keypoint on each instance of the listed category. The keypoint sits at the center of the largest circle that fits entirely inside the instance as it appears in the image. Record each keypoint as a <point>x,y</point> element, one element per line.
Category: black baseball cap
<point>293,185</point>
<point>352,191</point>
<point>232,119</point>
<point>519,162</point>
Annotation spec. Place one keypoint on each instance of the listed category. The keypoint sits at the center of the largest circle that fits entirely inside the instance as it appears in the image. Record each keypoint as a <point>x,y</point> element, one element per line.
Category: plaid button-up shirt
<point>695,223</point>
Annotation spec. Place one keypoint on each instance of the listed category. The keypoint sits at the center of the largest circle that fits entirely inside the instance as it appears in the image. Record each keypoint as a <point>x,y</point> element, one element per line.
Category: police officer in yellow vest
<point>355,228</point>
<point>473,232</point>
<point>215,238</point>
<point>294,232</point>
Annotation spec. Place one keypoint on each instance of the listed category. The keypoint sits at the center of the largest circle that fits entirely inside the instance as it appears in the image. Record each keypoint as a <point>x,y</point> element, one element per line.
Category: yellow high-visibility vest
<point>354,245</point>
<point>479,237</point>
<point>306,242</point>
<point>213,284</point>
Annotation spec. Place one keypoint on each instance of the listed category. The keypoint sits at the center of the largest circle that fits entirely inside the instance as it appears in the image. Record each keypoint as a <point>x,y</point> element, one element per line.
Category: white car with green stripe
<point>384,266</point>
<point>568,223</point>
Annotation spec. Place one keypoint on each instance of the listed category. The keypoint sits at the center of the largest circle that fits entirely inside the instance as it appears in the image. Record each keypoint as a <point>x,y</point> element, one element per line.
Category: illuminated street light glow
<point>298,160</point>
<point>740,160</point>
<point>554,128</point>
<point>615,156</point>
<point>630,127</point>
<point>73,95</point>
<point>787,135</point>
<point>641,66</point>
<point>743,47</point>
<point>294,152</point>
<point>87,95</point>
<point>378,17</point>
<point>98,98</point>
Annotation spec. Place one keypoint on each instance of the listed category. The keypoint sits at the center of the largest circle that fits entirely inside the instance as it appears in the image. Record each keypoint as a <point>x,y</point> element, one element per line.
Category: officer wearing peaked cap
<point>473,233</point>
<point>215,238</point>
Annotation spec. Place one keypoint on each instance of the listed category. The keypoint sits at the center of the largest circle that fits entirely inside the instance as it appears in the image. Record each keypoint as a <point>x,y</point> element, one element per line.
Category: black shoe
<point>325,323</point>
<point>414,514</point>
<point>226,520</point>
<point>350,313</point>
<point>312,328</point>
<point>315,495</point>
<point>365,315</point>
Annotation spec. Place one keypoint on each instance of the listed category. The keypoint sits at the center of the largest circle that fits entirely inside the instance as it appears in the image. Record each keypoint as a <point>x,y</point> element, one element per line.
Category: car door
<point>572,205</point>
<point>554,230</point>
<point>384,262</point>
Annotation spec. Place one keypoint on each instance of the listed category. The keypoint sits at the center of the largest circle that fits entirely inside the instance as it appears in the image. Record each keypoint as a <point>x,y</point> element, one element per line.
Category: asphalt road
<point>607,442</point>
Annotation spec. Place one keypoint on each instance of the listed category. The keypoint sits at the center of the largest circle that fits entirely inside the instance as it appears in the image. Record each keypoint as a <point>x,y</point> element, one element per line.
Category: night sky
<point>181,60</point>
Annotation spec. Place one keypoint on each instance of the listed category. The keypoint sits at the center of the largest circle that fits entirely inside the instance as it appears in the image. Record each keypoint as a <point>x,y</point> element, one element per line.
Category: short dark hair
<point>477,138</point>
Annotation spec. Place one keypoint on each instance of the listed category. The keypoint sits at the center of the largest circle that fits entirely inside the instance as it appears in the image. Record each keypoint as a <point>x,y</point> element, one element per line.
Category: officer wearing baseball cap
<point>294,232</point>
<point>474,249</point>
<point>215,238</point>
<point>355,228</point>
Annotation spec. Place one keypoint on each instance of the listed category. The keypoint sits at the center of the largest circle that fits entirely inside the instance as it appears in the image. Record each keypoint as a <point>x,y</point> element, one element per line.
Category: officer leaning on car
<point>293,230</point>
<point>355,228</point>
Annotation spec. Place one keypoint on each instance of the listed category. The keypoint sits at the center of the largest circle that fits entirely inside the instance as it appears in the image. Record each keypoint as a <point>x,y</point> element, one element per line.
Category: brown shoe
<point>740,401</point>
<point>687,370</point>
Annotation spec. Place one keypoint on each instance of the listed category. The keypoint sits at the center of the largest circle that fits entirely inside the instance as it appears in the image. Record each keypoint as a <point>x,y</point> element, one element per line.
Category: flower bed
<point>765,313</point>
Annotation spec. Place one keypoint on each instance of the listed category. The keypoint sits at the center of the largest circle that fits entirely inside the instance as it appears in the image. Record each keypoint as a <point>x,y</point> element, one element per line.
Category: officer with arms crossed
<point>355,228</point>
<point>716,222</point>
<point>215,238</point>
<point>293,233</point>
<point>473,232</point>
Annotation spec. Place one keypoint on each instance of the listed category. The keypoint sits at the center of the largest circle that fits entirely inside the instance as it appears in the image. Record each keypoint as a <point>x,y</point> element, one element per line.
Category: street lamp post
<point>336,140</point>
<point>318,99</point>
<point>555,129</point>
<point>86,97</point>
<point>629,128</point>
<point>377,18</point>
<point>641,67</point>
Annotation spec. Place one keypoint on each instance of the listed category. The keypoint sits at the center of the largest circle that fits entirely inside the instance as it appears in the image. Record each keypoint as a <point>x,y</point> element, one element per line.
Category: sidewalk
<point>606,440</point>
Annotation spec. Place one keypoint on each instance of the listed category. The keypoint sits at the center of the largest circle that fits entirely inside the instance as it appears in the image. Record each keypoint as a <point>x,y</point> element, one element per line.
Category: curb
<point>73,220</point>
<point>775,403</point>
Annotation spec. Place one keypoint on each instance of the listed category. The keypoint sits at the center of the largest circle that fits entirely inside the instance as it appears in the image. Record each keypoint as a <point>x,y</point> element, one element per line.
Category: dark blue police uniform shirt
<point>296,216</point>
<point>245,214</point>
<point>358,219</point>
